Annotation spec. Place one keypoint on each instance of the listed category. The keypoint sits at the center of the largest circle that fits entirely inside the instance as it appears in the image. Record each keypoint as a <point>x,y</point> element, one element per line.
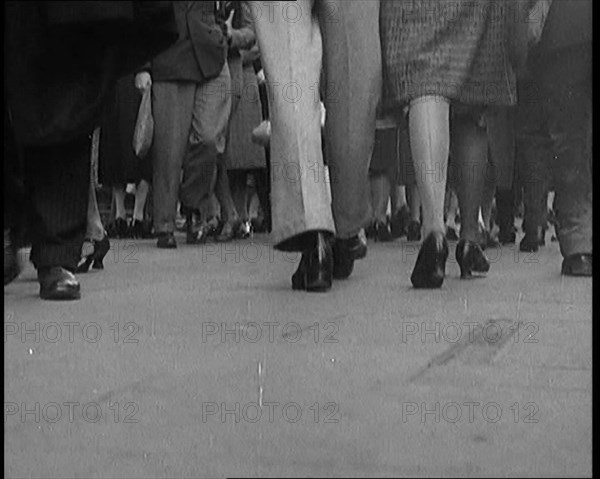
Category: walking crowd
<point>326,123</point>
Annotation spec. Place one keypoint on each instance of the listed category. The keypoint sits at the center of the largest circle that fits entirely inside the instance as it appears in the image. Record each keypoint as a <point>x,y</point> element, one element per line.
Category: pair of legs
<point>431,139</point>
<point>292,54</point>
<point>308,207</point>
<point>141,194</point>
<point>190,123</point>
<point>429,126</point>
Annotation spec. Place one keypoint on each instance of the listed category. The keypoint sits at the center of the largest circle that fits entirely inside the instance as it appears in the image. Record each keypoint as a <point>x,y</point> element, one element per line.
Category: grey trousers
<point>190,126</point>
<point>296,40</point>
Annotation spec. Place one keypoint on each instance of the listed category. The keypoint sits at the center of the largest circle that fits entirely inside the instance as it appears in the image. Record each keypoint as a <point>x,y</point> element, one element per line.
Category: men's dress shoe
<point>345,252</point>
<point>430,268</point>
<point>166,241</point>
<point>58,283</point>
<point>315,271</point>
<point>577,265</point>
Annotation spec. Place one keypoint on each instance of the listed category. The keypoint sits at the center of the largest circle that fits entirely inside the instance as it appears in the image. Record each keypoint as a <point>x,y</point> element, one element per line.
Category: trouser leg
<point>351,44</point>
<point>172,104</point>
<point>58,180</point>
<point>291,57</point>
<point>207,139</point>
<point>569,116</point>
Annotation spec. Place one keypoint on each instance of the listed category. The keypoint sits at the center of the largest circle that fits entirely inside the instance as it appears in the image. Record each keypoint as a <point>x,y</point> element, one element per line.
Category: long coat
<point>63,58</point>
<point>246,114</point>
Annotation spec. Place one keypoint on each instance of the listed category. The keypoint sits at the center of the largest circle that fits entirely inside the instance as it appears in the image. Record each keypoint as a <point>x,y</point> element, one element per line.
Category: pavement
<point>201,362</point>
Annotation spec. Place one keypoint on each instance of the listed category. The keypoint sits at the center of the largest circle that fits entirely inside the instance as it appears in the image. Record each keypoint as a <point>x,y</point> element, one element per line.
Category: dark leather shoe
<point>345,252</point>
<point>57,283</point>
<point>166,241</point>
<point>430,268</point>
<point>315,271</point>
<point>577,265</point>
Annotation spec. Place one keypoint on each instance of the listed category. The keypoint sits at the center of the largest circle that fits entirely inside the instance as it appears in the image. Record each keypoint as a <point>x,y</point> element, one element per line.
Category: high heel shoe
<point>244,230</point>
<point>471,258</point>
<point>96,257</point>
<point>430,268</point>
<point>315,271</point>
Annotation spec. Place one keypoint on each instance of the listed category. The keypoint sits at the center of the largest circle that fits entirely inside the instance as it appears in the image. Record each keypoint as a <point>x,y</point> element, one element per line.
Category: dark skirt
<point>118,163</point>
<point>456,49</point>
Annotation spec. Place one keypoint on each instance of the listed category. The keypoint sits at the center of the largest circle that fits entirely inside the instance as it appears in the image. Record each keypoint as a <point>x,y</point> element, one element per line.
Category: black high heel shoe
<point>471,258</point>
<point>315,271</point>
<point>244,230</point>
<point>430,268</point>
<point>96,257</point>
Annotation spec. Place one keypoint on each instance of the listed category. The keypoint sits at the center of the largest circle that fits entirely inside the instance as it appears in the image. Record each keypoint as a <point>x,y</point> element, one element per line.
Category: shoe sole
<point>61,295</point>
<point>571,272</point>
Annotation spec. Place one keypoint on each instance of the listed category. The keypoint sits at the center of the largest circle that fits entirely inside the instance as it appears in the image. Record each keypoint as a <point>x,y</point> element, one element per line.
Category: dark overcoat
<point>63,58</point>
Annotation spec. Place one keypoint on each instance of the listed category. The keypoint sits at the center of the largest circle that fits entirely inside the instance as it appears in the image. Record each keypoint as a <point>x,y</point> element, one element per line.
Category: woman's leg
<point>95,228</point>
<point>119,199</point>
<point>398,198</point>
<point>229,212</point>
<point>141,193</point>
<point>469,150</point>
<point>380,194</point>
<point>430,142</point>
<point>415,204</point>
<point>237,183</point>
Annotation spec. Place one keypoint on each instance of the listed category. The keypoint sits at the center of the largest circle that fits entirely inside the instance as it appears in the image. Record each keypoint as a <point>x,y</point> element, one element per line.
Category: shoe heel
<point>85,266</point>
<point>98,264</point>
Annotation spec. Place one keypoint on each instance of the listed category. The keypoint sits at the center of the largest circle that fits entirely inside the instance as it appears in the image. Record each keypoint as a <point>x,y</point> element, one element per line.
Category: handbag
<point>144,126</point>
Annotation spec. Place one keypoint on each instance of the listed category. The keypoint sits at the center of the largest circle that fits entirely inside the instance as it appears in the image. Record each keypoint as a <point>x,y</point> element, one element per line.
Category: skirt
<point>456,49</point>
<point>118,163</point>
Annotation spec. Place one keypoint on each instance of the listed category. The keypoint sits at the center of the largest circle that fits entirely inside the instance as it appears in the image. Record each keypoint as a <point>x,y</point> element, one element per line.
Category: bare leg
<point>415,204</point>
<point>229,212</point>
<point>95,228</point>
<point>141,193</point>
<point>430,143</point>
<point>452,209</point>
<point>380,194</point>
<point>398,198</point>
<point>119,199</point>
